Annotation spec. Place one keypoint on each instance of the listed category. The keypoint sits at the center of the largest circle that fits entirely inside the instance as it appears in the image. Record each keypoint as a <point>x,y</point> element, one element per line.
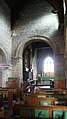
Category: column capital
<point>17,57</point>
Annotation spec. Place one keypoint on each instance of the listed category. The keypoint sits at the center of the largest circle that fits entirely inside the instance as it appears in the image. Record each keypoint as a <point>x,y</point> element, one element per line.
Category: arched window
<point>48,65</point>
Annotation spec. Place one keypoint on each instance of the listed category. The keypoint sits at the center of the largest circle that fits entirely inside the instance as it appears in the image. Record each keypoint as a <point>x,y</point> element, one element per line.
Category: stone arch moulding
<point>21,46</point>
<point>3,49</point>
<point>20,49</point>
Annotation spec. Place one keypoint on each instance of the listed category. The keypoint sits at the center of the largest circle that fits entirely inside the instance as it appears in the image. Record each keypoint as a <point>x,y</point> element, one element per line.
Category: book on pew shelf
<point>41,96</point>
<point>60,102</point>
<point>45,102</point>
<point>59,114</point>
<point>40,113</point>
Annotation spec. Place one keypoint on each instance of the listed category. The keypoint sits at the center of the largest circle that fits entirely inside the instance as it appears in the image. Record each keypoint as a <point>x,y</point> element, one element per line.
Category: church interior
<point>33,59</point>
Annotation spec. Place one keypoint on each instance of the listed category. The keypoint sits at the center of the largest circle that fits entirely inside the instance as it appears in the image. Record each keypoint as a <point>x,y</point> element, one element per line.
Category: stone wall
<point>5,40</point>
<point>5,30</point>
<point>36,21</point>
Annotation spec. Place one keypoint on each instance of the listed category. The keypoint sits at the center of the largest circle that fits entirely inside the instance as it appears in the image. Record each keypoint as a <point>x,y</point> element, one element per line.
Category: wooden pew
<point>7,100</point>
<point>49,94</point>
<point>32,111</point>
<point>54,90</point>
<point>44,101</point>
<point>32,104</point>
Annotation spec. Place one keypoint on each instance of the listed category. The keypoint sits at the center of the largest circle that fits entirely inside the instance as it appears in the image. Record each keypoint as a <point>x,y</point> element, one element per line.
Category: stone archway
<point>4,66</point>
<point>21,46</point>
<point>18,56</point>
<point>4,51</point>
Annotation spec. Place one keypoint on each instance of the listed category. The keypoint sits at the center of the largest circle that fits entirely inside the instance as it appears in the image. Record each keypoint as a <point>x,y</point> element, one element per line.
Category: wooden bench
<point>35,103</point>
<point>46,112</point>
<point>44,101</point>
<point>49,94</point>
<point>6,99</point>
<point>53,90</point>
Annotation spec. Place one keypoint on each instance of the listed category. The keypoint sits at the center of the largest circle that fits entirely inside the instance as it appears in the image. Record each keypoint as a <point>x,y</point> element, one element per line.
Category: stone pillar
<point>59,64</point>
<point>65,38</point>
<point>20,69</point>
<point>59,71</point>
<point>17,70</point>
<point>35,65</point>
<point>65,55</point>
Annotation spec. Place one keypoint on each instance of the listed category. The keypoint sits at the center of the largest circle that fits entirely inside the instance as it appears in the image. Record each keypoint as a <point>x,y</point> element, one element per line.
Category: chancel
<point>33,59</point>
